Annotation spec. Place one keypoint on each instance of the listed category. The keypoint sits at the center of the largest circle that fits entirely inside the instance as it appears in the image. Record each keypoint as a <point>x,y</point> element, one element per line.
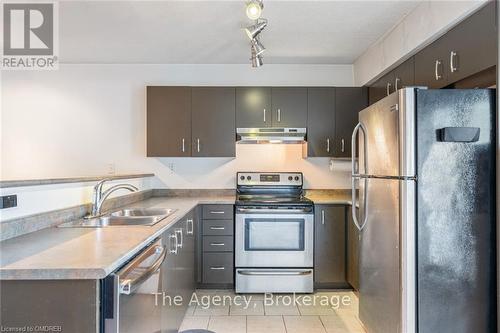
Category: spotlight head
<point>257,47</point>
<point>256,60</point>
<point>254,9</point>
<point>253,30</point>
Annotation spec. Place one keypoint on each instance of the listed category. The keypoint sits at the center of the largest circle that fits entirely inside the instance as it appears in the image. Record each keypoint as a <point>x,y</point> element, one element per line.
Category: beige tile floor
<point>332,317</point>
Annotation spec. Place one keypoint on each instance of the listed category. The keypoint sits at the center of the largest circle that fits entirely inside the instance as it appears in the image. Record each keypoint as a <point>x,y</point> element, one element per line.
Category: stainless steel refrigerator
<point>426,195</point>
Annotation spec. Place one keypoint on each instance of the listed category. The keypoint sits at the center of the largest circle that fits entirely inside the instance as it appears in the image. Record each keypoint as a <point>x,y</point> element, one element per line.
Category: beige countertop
<point>93,253</point>
<point>88,253</point>
<point>329,197</point>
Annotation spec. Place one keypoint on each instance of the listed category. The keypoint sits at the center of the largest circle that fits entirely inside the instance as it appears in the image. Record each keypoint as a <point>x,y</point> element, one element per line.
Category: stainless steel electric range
<point>274,236</point>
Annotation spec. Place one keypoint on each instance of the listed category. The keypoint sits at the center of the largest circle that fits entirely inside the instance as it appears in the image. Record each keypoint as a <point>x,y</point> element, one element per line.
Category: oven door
<point>274,237</point>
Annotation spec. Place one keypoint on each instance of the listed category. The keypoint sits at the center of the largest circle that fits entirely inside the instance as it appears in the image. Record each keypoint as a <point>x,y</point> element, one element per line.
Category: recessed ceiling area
<point>210,32</point>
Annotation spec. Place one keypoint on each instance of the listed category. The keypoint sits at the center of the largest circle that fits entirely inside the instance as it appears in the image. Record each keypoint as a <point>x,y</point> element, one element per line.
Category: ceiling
<point>210,32</point>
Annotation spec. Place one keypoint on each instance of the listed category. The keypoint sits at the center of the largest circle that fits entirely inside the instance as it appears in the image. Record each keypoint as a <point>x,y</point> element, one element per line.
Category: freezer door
<point>456,213</point>
<point>390,136</point>
<point>386,302</point>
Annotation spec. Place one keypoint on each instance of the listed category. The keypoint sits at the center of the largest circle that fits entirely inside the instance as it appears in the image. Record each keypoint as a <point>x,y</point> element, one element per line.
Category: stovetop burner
<point>270,189</point>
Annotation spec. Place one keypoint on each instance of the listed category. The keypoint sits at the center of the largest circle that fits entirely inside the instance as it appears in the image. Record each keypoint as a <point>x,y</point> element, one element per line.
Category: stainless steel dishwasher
<point>128,295</point>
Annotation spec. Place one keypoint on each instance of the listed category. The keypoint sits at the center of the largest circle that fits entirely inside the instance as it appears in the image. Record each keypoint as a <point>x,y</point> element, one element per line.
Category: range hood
<point>270,135</point>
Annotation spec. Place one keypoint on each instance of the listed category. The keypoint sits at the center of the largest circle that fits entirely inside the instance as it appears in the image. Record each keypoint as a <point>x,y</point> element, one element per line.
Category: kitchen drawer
<point>218,227</point>
<point>217,243</point>
<point>218,212</point>
<point>218,267</point>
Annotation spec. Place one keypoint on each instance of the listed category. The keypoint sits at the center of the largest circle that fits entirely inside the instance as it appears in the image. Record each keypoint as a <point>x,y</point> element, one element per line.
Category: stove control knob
<point>290,178</point>
<point>249,178</point>
<point>296,178</point>
<point>242,177</point>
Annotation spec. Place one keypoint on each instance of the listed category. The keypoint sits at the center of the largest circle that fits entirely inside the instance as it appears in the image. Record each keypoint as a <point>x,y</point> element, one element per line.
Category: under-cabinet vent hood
<point>270,135</point>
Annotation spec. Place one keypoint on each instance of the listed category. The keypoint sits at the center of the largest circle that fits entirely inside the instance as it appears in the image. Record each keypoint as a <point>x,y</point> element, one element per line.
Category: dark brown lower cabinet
<point>330,246</point>
<point>352,250</point>
<point>216,247</point>
<point>67,305</point>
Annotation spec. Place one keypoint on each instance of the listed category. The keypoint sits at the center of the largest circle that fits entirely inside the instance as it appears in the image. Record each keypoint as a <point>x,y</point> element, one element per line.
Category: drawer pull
<point>218,268</point>
<point>217,244</point>
<point>217,212</point>
<point>217,228</point>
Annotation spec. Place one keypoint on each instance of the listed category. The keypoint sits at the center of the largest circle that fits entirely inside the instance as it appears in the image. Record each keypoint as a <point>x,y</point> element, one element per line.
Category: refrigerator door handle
<point>356,174</point>
<point>353,204</point>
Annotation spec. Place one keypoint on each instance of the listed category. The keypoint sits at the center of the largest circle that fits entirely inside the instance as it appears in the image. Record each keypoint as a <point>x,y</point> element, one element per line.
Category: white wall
<point>78,120</point>
<point>427,22</point>
<point>38,199</point>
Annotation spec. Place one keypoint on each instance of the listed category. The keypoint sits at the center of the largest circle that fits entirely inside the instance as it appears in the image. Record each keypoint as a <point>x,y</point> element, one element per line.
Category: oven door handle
<point>274,272</point>
<point>281,211</point>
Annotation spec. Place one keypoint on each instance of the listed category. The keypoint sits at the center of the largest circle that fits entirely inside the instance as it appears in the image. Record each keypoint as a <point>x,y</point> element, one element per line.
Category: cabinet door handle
<point>342,145</point>
<point>173,249</point>
<point>217,212</point>
<point>181,236</point>
<point>183,145</point>
<point>328,145</point>
<point>189,230</point>
<point>264,115</point>
<point>217,244</point>
<point>279,115</point>
<point>322,217</point>
<point>388,88</point>
<point>198,145</point>
<point>218,268</point>
<point>396,85</point>
<point>217,228</point>
<point>436,70</point>
<point>453,55</point>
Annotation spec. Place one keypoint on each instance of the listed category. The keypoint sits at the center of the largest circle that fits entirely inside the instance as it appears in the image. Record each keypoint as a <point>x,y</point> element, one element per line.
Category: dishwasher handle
<point>128,286</point>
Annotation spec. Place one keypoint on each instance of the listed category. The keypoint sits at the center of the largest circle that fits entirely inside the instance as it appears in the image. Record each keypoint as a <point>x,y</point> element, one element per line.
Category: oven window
<point>274,234</point>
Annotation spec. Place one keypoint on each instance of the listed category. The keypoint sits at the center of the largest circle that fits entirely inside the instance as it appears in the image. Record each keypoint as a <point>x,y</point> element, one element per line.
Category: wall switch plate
<point>8,201</point>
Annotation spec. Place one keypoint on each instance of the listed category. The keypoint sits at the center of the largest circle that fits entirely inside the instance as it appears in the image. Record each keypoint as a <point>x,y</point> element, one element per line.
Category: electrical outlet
<point>331,165</point>
<point>110,168</point>
<point>171,167</point>
<point>8,201</point>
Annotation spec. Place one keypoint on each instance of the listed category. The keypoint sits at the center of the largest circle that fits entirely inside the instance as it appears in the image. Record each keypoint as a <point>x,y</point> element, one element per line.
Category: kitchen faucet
<point>98,196</point>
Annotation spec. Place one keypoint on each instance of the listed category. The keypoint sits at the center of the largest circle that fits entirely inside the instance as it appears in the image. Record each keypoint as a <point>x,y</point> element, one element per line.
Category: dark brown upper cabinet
<point>431,66</point>
<point>472,45</point>
<point>349,101</point>
<point>404,75</point>
<point>289,105</point>
<point>168,121</point>
<point>213,121</point>
<point>400,77</point>
<point>253,107</point>
<point>320,121</point>
<point>467,49</point>
<point>381,88</point>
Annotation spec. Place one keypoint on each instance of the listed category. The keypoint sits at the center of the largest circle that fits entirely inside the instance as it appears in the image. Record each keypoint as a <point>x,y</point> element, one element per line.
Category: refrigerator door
<point>387,130</point>
<point>386,302</point>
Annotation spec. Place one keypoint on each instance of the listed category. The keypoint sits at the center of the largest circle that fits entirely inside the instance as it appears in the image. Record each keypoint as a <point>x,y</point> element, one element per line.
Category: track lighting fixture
<point>254,9</point>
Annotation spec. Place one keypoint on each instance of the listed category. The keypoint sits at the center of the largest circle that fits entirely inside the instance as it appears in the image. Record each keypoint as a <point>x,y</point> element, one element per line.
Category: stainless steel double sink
<point>125,217</point>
